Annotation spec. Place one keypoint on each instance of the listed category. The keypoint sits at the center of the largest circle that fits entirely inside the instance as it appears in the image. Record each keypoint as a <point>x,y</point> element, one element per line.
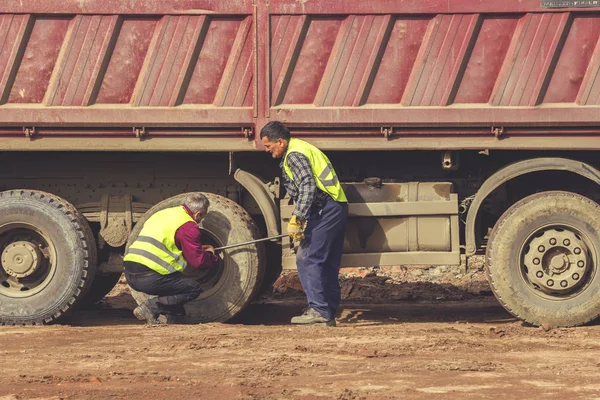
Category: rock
<point>416,272</point>
<point>392,269</point>
<point>357,272</point>
<point>288,281</point>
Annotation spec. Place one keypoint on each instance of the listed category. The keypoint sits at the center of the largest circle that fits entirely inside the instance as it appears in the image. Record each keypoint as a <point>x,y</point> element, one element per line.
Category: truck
<point>457,127</point>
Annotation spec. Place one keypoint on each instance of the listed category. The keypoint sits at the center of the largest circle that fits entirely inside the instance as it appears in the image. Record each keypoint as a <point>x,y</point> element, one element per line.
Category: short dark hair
<point>275,130</point>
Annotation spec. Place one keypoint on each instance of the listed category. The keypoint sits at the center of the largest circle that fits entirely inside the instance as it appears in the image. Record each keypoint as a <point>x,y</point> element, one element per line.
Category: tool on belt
<point>229,246</point>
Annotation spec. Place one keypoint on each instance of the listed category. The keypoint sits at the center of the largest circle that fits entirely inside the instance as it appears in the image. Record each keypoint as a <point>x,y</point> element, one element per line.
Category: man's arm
<point>303,179</point>
<point>187,238</point>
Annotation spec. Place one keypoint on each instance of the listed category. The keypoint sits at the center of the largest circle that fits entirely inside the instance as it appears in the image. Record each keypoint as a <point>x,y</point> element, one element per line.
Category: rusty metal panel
<point>86,65</point>
<point>426,7</point>
<point>112,7</point>
<point>212,60</point>
<point>528,67</point>
<point>84,55</point>
<point>14,29</point>
<point>400,65</point>
<point>126,60</point>
<point>488,61</point>
<point>36,63</point>
<point>487,57</point>
<point>430,72</point>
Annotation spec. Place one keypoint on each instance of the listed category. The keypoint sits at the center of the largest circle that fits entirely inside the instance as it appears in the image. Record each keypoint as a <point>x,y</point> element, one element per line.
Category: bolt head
<point>564,284</point>
<point>539,274</point>
<point>536,261</point>
<point>577,250</point>
<point>550,282</point>
<point>541,249</point>
<point>566,242</point>
<point>580,264</point>
<point>552,241</point>
<point>575,276</point>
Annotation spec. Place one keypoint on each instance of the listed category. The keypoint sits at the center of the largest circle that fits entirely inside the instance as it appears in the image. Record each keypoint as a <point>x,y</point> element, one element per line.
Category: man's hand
<point>295,229</point>
<point>210,249</point>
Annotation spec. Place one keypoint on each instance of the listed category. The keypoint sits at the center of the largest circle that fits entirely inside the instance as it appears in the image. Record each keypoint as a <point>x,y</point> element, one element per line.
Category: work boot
<point>313,318</point>
<point>143,312</point>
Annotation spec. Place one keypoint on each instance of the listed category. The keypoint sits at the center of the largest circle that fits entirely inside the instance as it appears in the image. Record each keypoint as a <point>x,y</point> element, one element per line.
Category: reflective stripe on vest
<point>325,177</point>
<point>155,246</point>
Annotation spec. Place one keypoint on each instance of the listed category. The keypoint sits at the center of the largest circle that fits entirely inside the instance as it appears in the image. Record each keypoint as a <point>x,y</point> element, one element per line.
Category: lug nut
<point>552,241</point>
<point>577,250</point>
<point>566,242</point>
<point>536,261</point>
<point>541,249</point>
<point>550,282</point>
<point>575,276</point>
<point>580,264</point>
<point>539,274</point>
<point>564,284</point>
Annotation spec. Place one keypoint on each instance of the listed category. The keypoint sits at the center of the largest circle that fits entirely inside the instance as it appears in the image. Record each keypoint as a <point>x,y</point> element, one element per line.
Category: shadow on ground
<point>483,310</point>
<point>118,311</point>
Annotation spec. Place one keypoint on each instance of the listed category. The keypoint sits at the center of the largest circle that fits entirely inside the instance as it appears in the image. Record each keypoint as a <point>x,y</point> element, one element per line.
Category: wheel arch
<point>513,171</point>
<point>259,190</point>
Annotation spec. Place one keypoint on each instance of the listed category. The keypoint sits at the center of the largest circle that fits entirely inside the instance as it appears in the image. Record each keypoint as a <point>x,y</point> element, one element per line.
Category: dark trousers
<point>172,290</point>
<point>320,254</point>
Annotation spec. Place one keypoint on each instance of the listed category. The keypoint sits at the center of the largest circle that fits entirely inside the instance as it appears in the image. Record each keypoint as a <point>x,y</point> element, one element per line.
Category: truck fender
<point>512,171</point>
<point>259,190</point>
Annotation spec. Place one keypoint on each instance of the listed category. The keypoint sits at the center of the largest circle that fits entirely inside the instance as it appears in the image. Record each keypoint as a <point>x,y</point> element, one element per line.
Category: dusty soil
<point>404,349</point>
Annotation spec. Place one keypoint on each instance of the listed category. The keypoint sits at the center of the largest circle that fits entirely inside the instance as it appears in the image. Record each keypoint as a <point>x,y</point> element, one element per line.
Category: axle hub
<point>557,261</point>
<point>21,259</point>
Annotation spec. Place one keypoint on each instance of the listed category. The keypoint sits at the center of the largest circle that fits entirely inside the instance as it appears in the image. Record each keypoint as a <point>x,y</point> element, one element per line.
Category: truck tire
<point>47,255</point>
<point>542,259</point>
<point>232,284</point>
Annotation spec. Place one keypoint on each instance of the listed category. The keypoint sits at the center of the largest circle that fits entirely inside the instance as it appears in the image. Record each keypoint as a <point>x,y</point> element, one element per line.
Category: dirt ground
<point>429,340</point>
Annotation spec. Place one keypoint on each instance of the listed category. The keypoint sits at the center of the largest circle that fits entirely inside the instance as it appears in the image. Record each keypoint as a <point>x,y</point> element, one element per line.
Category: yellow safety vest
<point>155,245</point>
<point>322,170</point>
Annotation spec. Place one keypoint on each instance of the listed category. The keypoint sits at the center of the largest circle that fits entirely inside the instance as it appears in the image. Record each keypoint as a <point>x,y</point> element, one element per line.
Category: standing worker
<point>318,220</point>
<point>169,241</point>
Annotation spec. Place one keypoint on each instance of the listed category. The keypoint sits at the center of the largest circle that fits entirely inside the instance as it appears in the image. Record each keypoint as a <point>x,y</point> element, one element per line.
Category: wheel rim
<point>27,260</point>
<point>211,279</point>
<point>557,262</point>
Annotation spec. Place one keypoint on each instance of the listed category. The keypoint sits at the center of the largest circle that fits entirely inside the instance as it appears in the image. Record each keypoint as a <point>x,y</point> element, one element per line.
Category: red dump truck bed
<point>454,74</point>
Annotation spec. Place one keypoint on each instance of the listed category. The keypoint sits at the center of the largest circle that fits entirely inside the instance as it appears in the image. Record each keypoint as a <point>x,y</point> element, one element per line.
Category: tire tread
<point>489,257</point>
<point>85,234</point>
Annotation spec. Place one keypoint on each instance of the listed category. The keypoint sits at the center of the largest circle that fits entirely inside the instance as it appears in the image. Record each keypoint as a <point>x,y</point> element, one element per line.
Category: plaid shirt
<point>303,189</point>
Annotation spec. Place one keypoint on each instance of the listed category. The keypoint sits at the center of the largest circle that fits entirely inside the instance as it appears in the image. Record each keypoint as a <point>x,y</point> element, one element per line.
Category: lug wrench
<point>229,246</point>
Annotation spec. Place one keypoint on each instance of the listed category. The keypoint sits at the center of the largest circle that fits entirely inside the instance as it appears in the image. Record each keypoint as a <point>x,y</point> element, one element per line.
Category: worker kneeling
<point>168,242</point>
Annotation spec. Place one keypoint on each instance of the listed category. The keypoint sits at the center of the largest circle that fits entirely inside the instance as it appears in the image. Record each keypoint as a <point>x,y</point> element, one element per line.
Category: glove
<point>210,249</point>
<point>295,229</point>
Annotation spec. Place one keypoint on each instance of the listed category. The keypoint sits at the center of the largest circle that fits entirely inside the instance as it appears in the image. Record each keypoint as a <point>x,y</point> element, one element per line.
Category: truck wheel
<point>47,255</point>
<point>232,283</point>
<point>542,259</point>
<point>101,286</point>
